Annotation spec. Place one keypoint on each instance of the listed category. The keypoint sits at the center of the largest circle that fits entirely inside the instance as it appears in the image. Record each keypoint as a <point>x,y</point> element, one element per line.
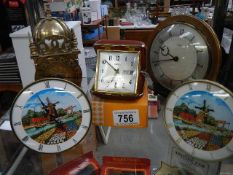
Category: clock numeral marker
<point>208,87</point>
<point>169,125</point>
<point>84,127</point>
<point>110,58</point>
<point>132,63</point>
<point>47,84</point>
<point>190,87</point>
<point>174,94</point>
<point>170,34</point>
<point>104,62</point>
<point>131,72</point>
<point>169,109</point>
<point>181,31</point>
<point>86,110</point>
<point>156,52</point>
<point>25,138</point>
<point>192,38</point>
<point>193,151</point>
<point>102,70</point>
<point>123,85</point>
<point>229,149</point>
<point>126,58</point>
<point>130,82</point>
<point>179,140</point>
<point>161,75</point>
<point>160,41</point>
<point>212,156</point>
<point>102,80</point>
<point>40,148</point>
<point>226,98</point>
<point>199,65</point>
<point>118,58</point>
<point>115,85</point>
<point>80,95</point>
<point>20,107</point>
<point>75,141</point>
<point>65,86</point>
<point>58,148</point>
<point>17,123</point>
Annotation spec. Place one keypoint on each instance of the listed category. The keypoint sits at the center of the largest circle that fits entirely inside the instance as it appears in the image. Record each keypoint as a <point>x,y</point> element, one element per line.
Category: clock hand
<point>174,58</point>
<point>116,70</point>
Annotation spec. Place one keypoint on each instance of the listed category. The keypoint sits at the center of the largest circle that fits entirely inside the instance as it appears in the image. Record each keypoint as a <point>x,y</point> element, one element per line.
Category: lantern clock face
<point>51,115</point>
<point>181,52</point>
<point>117,71</point>
<point>199,117</point>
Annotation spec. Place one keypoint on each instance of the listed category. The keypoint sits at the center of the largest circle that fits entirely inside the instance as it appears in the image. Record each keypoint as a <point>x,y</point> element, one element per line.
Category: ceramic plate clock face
<point>51,115</point>
<point>117,71</point>
<point>199,117</point>
<point>179,53</point>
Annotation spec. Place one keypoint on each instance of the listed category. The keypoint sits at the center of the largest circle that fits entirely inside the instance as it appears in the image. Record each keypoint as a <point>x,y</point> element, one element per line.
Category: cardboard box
<point>103,110</point>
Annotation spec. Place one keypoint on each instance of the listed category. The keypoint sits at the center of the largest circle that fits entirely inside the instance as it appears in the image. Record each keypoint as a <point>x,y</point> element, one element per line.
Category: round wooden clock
<point>199,118</point>
<point>50,115</point>
<point>183,49</point>
<point>118,69</point>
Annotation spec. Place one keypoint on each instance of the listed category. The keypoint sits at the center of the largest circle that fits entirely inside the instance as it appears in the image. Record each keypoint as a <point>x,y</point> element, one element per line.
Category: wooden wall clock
<point>183,49</point>
<point>118,68</point>
<point>50,115</point>
<point>199,118</point>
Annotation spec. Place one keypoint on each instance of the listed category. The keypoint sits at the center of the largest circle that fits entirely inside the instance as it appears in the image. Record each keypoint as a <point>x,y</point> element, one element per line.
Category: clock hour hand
<point>172,59</point>
<point>165,51</point>
<point>116,70</point>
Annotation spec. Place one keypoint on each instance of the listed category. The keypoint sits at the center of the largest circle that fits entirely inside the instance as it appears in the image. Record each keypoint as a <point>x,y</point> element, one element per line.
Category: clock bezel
<point>207,34</point>
<point>98,72</point>
<point>73,85</point>
<point>180,140</point>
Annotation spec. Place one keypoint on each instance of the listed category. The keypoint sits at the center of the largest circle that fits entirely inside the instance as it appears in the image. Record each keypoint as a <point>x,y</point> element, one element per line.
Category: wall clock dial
<point>184,48</point>
<point>199,118</point>
<point>50,115</point>
<point>118,68</point>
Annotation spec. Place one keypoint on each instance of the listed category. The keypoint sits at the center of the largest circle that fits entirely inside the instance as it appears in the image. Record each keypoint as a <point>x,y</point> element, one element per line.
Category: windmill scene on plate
<point>203,120</point>
<point>51,116</point>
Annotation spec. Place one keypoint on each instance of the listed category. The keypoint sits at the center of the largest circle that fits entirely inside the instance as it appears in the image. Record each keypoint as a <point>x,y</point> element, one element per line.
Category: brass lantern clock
<point>54,51</point>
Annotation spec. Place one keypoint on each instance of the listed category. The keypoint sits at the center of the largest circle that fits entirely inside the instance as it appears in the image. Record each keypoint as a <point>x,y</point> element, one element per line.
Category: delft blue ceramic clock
<point>199,118</point>
<point>51,115</point>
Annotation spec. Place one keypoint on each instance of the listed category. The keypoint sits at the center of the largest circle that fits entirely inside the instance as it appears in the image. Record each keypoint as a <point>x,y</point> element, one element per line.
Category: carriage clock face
<point>183,48</point>
<point>199,118</point>
<point>117,71</point>
<point>51,115</point>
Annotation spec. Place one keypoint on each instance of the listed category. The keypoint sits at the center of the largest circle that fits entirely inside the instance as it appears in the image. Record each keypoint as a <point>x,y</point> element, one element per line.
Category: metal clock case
<point>183,49</point>
<point>54,51</point>
<point>118,68</point>
<point>51,115</point>
<point>199,118</point>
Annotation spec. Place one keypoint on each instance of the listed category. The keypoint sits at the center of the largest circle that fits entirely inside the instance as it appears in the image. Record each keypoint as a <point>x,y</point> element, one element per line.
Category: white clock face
<point>178,53</point>
<point>117,71</point>
<point>199,117</point>
<point>51,115</point>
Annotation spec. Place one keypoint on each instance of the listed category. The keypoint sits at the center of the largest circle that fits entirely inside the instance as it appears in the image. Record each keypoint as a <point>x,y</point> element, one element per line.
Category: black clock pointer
<point>174,58</point>
<point>116,70</point>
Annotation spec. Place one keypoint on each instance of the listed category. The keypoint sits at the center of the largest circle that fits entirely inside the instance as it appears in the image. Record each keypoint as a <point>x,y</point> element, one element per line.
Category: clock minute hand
<point>174,58</point>
<point>116,70</point>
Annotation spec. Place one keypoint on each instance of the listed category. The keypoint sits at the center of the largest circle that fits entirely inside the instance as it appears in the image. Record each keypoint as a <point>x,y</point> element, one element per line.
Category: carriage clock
<point>118,68</point>
<point>54,51</point>
<point>184,48</point>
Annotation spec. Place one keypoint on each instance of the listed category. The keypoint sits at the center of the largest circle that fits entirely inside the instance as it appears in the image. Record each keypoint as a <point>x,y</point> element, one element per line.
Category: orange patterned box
<point>121,113</point>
